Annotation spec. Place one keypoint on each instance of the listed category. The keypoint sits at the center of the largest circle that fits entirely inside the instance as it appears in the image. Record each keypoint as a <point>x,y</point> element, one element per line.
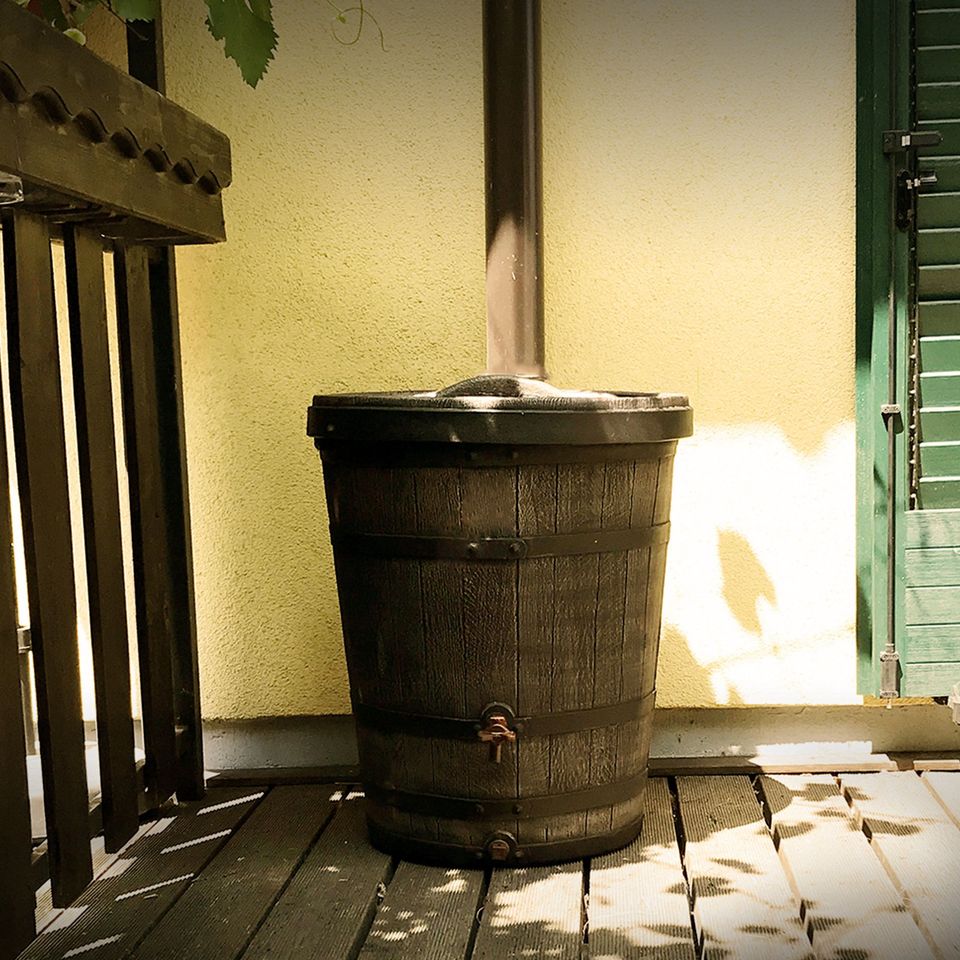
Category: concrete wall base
<point>801,732</point>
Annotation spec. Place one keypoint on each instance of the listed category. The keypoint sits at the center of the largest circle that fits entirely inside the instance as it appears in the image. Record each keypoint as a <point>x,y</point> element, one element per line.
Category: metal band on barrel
<point>465,854</point>
<point>497,548</point>
<point>520,808</point>
<point>544,725</point>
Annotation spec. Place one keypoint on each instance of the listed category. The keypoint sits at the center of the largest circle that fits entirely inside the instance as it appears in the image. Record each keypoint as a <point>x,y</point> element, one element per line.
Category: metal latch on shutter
<point>909,182</point>
<point>897,141</point>
<point>908,186</point>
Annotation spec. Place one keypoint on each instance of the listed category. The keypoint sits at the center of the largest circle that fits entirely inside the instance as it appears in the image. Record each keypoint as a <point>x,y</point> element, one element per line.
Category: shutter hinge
<point>896,141</point>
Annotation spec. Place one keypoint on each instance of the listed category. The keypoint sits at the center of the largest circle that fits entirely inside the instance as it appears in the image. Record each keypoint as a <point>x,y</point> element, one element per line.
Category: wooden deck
<point>852,867</point>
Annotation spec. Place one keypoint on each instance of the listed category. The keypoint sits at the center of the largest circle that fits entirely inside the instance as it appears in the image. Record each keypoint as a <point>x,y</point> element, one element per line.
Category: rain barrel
<point>500,549</point>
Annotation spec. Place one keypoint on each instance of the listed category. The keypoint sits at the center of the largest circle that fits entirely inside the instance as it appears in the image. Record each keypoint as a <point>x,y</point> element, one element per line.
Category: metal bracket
<point>11,189</point>
<point>889,675</point>
<point>891,412</point>
<point>897,141</point>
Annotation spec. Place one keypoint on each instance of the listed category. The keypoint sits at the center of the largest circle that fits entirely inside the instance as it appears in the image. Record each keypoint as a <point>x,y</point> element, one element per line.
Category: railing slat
<point>148,516</point>
<point>145,62</point>
<point>97,454</point>
<point>37,406</point>
<point>16,877</point>
<point>178,546</point>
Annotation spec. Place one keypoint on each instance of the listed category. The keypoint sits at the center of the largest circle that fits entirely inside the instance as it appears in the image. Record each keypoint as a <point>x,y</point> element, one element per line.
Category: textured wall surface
<point>699,191</point>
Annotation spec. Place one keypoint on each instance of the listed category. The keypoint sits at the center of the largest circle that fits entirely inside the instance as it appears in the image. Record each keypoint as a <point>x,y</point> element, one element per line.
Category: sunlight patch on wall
<point>759,604</point>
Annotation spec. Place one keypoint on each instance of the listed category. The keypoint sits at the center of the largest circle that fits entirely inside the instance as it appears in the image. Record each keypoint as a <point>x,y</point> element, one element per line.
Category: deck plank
<point>329,904</point>
<point>236,868</point>
<point>638,898</point>
<point>223,906</point>
<point>742,901</point>
<point>850,904</point>
<point>945,786</point>
<point>918,844</point>
<point>47,913</point>
<point>427,912</point>
<point>532,912</point>
<point>118,910</point>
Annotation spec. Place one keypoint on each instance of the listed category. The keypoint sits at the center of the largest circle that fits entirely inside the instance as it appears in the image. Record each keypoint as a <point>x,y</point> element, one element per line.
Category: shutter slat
<point>937,493</point>
<point>940,389</point>
<point>938,100</point>
<point>947,169</point>
<point>929,679</point>
<point>940,459</point>
<point>939,282</point>
<point>940,423</point>
<point>949,130</point>
<point>938,247</point>
<point>939,318</point>
<point>932,605</point>
<point>938,210</point>
<point>937,64</point>
<point>939,353</point>
<point>933,644</point>
<point>938,27</point>
<point>941,529</point>
<point>939,567</point>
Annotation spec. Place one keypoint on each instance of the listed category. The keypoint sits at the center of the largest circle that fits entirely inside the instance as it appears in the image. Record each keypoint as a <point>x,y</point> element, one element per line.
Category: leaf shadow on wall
<point>682,679</point>
<point>745,580</point>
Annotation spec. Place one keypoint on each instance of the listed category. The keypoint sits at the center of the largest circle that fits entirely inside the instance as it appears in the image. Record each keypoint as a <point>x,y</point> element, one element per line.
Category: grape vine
<point>244,27</point>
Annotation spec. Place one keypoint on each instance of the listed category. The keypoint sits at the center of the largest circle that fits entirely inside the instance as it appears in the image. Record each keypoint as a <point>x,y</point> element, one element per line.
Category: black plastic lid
<point>503,410</point>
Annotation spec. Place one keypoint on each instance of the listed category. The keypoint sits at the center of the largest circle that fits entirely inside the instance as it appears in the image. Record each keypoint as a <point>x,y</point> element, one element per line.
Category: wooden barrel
<point>501,608</point>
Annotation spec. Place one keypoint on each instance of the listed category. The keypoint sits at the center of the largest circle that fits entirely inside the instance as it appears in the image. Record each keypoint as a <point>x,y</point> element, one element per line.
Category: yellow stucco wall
<point>699,192</point>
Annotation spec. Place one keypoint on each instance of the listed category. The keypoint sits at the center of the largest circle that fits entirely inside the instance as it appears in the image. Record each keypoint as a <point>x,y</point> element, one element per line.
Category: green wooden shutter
<point>937,98</point>
<point>908,323</point>
<point>931,644</point>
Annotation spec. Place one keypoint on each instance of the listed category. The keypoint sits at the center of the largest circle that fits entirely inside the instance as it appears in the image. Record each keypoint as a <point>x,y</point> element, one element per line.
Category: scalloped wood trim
<point>62,106</point>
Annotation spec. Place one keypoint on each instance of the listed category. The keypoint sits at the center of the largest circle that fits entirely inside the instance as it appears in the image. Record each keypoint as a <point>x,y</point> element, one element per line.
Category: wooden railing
<point>109,168</point>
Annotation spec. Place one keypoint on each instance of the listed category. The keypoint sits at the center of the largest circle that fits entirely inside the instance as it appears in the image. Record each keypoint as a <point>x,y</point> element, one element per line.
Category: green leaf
<point>135,9</point>
<point>78,36</point>
<point>246,27</point>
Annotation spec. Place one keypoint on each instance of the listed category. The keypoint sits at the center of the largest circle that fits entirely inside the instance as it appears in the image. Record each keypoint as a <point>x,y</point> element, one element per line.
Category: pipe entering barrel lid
<point>514,201</point>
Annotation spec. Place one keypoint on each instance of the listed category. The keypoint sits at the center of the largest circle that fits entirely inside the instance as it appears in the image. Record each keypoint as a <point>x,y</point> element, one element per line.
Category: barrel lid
<point>503,410</point>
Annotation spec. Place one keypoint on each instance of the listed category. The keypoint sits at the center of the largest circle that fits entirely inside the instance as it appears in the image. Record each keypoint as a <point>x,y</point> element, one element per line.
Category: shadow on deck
<point>855,866</point>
